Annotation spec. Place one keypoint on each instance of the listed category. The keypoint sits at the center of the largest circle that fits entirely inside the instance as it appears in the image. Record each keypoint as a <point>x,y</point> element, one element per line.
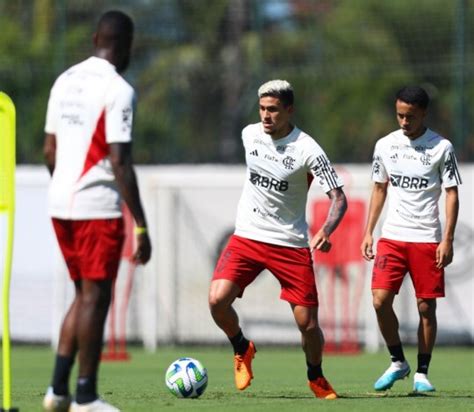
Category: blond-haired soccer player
<point>271,231</point>
<point>88,152</point>
<point>411,165</point>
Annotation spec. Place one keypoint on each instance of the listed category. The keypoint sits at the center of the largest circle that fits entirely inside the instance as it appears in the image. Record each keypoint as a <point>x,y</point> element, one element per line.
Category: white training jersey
<point>416,170</point>
<point>90,106</point>
<point>272,207</point>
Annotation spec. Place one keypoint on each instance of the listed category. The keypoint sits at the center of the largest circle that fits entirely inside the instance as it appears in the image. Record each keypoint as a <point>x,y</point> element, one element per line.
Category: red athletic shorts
<point>395,258</point>
<point>91,248</point>
<point>243,259</point>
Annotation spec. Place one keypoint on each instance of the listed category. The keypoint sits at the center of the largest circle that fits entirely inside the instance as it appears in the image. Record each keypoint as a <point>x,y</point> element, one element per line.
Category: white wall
<point>189,209</point>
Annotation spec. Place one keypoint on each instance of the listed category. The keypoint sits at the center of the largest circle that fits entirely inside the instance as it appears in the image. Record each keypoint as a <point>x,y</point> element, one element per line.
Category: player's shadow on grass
<point>368,395</point>
<point>274,396</point>
<point>375,395</point>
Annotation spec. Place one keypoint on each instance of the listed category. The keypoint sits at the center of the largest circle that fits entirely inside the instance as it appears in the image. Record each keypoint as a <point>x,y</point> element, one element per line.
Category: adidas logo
<point>254,153</point>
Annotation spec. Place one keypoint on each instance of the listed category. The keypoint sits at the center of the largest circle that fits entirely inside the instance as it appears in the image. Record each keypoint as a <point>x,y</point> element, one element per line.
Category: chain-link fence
<point>198,63</point>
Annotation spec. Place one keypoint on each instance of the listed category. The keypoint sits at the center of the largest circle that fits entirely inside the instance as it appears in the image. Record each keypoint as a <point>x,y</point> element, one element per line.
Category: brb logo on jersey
<point>407,182</point>
<point>266,182</point>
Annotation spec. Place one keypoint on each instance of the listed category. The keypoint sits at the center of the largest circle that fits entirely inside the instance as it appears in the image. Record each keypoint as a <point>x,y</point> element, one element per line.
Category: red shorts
<point>395,258</point>
<point>91,248</point>
<point>243,259</point>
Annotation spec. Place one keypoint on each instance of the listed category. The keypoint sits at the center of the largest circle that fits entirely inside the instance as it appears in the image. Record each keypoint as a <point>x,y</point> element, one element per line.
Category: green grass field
<point>279,384</point>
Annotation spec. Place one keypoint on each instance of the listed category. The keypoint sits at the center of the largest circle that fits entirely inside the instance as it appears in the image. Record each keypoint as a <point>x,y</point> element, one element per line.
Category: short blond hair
<point>280,89</point>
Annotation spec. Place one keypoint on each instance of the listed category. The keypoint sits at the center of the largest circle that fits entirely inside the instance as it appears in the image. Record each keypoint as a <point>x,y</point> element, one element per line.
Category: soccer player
<point>88,153</point>
<point>411,165</point>
<point>271,231</point>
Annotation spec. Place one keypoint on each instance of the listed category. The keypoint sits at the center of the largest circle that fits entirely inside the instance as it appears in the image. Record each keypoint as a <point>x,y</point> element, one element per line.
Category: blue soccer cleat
<point>396,371</point>
<point>422,384</point>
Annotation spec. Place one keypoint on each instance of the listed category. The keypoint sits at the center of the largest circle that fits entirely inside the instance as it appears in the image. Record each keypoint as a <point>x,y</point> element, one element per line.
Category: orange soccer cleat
<point>322,388</point>
<point>243,367</point>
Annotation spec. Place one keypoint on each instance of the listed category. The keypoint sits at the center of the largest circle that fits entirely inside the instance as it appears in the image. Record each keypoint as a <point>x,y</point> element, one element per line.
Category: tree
<point>198,64</point>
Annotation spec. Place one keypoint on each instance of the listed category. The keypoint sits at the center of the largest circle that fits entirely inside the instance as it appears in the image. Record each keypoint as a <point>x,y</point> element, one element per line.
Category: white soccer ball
<point>186,378</point>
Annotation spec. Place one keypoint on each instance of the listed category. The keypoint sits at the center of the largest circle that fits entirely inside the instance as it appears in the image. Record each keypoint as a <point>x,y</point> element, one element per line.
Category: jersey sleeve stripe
<point>454,165</point>
<point>326,169</point>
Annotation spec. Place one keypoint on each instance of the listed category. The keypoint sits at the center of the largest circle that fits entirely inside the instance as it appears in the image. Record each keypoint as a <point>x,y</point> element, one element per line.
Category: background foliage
<point>198,63</point>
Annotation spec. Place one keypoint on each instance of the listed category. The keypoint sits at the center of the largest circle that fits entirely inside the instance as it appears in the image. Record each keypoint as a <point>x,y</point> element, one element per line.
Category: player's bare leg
<point>311,336</point>
<point>222,294</point>
<point>428,325</point>
<point>312,342</point>
<point>94,305</point>
<point>57,396</point>
<point>388,323</point>
<point>427,329</point>
<point>67,345</point>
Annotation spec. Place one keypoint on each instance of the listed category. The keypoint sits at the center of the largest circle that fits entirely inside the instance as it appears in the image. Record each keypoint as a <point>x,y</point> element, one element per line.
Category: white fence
<point>191,210</point>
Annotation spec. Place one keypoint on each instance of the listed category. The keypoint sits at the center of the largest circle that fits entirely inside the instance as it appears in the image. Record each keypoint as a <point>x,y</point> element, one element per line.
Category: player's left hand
<point>143,251</point>
<point>320,241</point>
<point>444,254</point>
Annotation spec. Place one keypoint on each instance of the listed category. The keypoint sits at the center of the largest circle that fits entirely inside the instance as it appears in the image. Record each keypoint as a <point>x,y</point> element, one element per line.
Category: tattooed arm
<point>320,240</point>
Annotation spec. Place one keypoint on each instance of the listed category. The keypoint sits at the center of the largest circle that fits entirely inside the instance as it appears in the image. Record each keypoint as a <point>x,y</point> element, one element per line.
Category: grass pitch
<point>279,383</point>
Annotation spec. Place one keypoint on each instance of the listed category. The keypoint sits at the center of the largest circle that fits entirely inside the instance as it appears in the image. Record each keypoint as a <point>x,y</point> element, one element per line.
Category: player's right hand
<point>366,247</point>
